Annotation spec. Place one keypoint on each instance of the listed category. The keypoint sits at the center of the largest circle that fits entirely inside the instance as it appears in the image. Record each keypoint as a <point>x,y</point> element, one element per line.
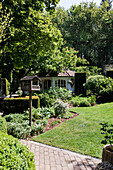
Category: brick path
<point>51,158</point>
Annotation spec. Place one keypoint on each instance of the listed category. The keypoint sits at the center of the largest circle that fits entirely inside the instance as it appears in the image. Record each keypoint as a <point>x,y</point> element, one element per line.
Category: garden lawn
<point>82,133</point>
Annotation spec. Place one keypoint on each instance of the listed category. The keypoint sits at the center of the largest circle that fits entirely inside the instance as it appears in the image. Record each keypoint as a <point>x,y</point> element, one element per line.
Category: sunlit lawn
<point>81,134</point>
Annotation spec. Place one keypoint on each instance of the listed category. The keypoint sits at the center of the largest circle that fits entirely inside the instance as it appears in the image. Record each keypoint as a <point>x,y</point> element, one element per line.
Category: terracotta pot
<point>107,155</point>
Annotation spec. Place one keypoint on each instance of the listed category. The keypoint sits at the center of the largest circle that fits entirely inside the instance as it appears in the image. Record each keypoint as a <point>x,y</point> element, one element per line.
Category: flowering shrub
<point>60,108</point>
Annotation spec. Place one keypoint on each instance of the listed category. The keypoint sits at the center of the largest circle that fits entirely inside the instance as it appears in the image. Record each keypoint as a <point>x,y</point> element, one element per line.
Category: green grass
<point>81,134</point>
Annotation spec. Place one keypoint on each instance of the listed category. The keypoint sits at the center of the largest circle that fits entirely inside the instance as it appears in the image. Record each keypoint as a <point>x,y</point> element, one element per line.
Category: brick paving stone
<point>51,158</point>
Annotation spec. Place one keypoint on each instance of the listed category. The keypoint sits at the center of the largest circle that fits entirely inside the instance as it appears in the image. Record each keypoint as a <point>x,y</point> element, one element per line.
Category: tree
<point>88,29</point>
<point>66,58</point>
<point>33,33</point>
<point>109,4</point>
<point>5,21</point>
<point>105,43</point>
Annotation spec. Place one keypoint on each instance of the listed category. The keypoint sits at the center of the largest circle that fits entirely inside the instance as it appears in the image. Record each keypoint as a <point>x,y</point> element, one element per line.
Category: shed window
<point>47,84</point>
<point>60,83</point>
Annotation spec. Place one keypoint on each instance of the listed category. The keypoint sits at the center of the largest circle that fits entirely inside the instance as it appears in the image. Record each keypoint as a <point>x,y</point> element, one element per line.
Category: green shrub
<point>14,155</point>
<point>41,113</point>
<point>92,99</point>
<point>93,84</point>
<point>18,126</point>
<point>43,122</point>
<point>60,108</point>
<point>79,101</point>
<point>19,118</point>
<point>48,97</point>
<point>75,101</point>
<point>84,103</point>
<point>100,86</point>
<point>36,129</point>
<point>3,125</point>
<point>19,105</point>
<point>46,100</point>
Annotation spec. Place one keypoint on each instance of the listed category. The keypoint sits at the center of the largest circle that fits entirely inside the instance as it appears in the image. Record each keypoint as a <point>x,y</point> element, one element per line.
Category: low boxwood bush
<point>3,125</point>
<point>19,105</point>
<point>14,155</point>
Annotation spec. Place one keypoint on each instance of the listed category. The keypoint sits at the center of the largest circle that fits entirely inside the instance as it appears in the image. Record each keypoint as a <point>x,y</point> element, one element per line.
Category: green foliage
<point>55,122</point>
<point>19,118</point>
<point>65,58</point>
<point>22,47</point>
<point>100,86</point>
<point>3,125</point>
<point>93,84</point>
<point>46,100</point>
<point>18,126</point>
<point>20,104</point>
<point>5,86</point>
<point>14,155</point>
<point>19,91</point>
<point>88,29</point>
<point>48,97</point>
<point>92,99</point>
<point>41,113</point>
<point>60,93</point>
<point>83,101</point>
<point>60,108</point>
<point>5,20</point>
<point>91,70</point>
<point>43,122</point>
<point>107,131</point>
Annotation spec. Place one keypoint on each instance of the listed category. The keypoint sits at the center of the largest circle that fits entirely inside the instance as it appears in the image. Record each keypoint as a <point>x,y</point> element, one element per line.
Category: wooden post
<point>30,108</point>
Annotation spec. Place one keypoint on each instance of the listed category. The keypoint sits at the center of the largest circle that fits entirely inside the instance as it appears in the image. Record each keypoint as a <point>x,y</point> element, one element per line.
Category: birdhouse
<point>30,83</point>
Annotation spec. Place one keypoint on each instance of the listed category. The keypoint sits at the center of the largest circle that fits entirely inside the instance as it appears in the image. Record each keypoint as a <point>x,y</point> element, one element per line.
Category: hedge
<point>14,155</point>
<point>3,125</point>
<point>19,105</point>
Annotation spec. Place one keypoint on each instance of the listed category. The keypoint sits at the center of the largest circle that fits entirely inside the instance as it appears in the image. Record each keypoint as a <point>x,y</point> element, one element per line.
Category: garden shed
<point>63,79</point>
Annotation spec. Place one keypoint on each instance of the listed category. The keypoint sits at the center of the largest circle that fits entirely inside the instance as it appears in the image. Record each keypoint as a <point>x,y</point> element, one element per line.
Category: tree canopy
<point>32,34</point>
<point>88,29</point>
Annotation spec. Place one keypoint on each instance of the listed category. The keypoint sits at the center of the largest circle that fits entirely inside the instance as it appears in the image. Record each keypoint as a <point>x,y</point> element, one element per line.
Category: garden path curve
<point>52,158</point>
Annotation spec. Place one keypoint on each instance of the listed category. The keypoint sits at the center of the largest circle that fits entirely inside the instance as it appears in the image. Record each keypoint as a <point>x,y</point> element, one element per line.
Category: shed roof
<point>30,78</point>
<point>67,73</point>
<point>64,73</point>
